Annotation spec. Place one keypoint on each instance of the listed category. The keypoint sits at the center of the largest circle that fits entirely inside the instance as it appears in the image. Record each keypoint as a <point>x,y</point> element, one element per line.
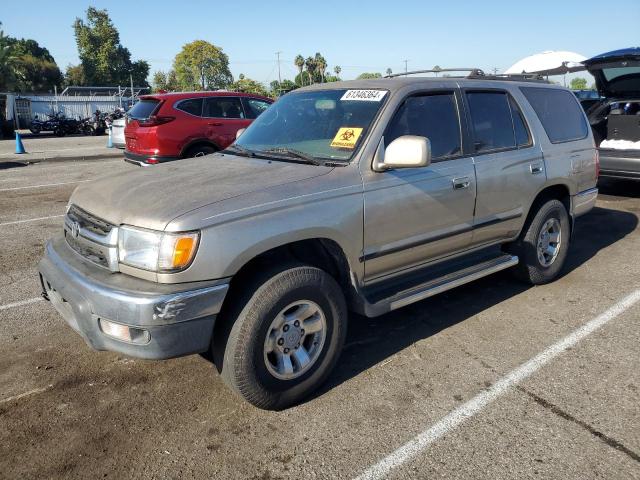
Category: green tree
<point>578,83</point>
<point>337,70</point>
<point>7,78</point>
<point>26,66</point>
<point>248,85</point>
<point>75,75</point>
<point>310,65</point>
<point>299,62</point>
<point>369,75</point>
<point>201,65</point>
<point>103,59</point>
<point>321,66</point>
<point>287,86</point>
<point>160,81</point>
<point>389,71</point>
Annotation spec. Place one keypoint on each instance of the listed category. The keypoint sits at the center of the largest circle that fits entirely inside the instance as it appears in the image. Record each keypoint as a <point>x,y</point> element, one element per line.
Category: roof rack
<point>477,73</point>
<point>515,77</point>
<point>472,71</point>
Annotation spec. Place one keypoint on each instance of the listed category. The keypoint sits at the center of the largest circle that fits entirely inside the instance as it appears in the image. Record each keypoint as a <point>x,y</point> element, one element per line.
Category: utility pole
<point>279,78</point>
<point>132,95</point>
<point>405,66</point>
<point>495,70</point>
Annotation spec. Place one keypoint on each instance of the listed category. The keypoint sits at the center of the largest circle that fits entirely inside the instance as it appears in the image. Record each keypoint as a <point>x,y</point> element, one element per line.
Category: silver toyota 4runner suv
<point>361,196</point>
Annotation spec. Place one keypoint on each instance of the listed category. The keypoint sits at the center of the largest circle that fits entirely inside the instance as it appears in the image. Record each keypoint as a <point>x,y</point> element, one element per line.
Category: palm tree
<point>299,62</point>
<point>310,65</point>
<point>337,70</point>
<point>321,65</point>
<point>389,71</point>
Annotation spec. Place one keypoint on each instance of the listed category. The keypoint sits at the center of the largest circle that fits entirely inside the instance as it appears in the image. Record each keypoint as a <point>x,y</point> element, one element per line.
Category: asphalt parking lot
<point>434,390</point>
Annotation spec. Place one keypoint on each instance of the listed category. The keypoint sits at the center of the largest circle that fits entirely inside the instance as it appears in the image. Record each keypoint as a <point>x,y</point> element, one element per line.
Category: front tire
<point>287,338</point>
<point>543,244</point>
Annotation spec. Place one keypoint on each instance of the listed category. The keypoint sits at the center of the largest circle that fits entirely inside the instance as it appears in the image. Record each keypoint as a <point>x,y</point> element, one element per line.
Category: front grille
<point>93,238</point>
<point>88,221</point>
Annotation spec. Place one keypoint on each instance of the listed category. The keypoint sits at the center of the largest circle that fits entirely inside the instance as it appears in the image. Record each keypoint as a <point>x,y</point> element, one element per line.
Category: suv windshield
<point>325,124</point>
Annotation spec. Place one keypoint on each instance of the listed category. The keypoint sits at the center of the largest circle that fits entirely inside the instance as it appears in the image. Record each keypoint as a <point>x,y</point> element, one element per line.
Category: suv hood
<point>151,197</point>
<point>625,85</point>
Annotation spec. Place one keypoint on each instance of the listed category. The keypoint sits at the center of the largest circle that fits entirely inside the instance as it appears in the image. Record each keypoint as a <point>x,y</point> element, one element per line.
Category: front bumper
<point>146,160</point>
<point>179,318</point>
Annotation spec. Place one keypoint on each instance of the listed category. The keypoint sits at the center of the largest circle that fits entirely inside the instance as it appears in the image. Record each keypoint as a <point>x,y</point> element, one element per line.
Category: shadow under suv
<point>170,126</point>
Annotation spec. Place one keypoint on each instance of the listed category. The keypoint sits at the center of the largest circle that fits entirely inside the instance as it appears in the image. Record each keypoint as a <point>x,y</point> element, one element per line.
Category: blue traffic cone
<point>109,140</point>
<point>19,145</point>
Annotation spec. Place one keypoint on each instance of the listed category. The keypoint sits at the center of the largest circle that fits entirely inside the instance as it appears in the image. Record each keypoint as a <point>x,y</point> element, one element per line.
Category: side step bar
<point>441,284</point>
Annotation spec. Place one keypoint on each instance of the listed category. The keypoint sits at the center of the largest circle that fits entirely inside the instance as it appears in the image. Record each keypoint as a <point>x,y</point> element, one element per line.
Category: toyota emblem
<point>75,229</point>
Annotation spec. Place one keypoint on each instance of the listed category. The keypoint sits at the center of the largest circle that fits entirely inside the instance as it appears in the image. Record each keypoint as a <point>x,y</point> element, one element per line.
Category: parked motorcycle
<point>53,123</point>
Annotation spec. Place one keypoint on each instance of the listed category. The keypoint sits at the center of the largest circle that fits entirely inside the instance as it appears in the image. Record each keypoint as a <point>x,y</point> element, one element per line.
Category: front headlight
<point>156,251</point>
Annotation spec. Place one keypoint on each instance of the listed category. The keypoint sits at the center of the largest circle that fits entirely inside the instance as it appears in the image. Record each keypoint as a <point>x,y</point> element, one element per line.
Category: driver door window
<point>431,116</point>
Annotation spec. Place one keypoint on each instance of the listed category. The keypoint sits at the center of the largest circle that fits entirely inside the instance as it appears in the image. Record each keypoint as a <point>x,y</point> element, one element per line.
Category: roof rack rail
<point>472,71</point>
<point>516,77</point>
<point>477,73</point>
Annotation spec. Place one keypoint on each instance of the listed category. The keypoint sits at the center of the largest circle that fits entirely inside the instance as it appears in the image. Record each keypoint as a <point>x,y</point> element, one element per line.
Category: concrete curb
<point>51,157</point>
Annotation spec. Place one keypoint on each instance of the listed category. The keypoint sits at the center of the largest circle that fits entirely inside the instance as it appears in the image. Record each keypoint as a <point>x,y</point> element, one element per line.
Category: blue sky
<point>367,36</point>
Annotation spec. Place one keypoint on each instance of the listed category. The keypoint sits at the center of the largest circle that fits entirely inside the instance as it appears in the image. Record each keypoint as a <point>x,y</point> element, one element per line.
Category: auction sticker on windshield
<point>364,95</point>
<point>346,137</point>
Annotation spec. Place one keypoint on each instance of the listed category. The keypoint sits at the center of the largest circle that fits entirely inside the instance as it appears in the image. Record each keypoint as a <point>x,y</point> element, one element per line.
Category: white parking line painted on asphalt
<point>422,441</point>
<point>25,394</point>
<point>21,303</point>
<point>42,185</point>
<point>15,222</point>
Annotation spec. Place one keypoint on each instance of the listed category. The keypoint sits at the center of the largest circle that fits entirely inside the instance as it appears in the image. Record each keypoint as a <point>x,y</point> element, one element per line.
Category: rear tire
<point>271,326</point>
<point>200,151</point>
<point>543,244</point>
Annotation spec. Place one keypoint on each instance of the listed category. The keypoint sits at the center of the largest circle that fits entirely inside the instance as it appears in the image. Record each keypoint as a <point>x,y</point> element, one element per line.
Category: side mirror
<point>407,151</point>
<point>240,132</point>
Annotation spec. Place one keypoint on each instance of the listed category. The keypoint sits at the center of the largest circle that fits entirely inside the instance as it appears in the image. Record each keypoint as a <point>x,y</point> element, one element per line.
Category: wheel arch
<point>557,191</point>
<point>197,142</point>
<point>321,252</point>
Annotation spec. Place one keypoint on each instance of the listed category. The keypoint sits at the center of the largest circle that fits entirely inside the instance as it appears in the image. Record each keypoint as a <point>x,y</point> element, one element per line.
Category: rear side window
<point>523,137</point>
<point>559,112</point>
<point>223,107</point>
<point>431,116</point>
<point>491,121</point>
<point>254,107</point>
<point>192,106</point>
<point>143,109</point>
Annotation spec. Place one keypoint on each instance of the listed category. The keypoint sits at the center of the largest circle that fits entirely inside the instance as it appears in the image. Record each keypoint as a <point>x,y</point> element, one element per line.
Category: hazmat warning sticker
<point>346,137</point>
<point>364,95</point>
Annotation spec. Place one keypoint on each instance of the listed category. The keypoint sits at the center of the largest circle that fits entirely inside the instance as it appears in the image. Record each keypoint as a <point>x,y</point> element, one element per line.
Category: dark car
<point>170,126</point>
<point>615,118</point>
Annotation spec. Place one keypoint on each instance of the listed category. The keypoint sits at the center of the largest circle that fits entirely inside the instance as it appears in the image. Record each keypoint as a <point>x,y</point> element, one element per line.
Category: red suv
<point>170,126</point>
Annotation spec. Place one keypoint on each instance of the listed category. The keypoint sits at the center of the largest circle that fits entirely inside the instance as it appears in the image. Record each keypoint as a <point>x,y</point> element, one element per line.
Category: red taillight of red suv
<point>154,121</point>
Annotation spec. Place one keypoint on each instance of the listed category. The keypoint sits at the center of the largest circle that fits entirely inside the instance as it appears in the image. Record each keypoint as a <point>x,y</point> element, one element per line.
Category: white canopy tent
<point>548,63</point>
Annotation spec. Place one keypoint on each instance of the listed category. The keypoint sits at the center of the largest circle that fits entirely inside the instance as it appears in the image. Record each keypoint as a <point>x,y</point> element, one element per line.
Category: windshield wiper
<point>234,148</point>
<point>293,153</point>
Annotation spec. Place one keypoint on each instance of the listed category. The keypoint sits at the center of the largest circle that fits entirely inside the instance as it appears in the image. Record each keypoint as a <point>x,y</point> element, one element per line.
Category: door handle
<point>536,169</point>
<point>460,183</point>
<point>215,124</point>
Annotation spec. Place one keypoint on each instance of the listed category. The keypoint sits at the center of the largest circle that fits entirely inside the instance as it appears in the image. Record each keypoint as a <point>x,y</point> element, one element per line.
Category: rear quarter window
<point>559,112</point>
